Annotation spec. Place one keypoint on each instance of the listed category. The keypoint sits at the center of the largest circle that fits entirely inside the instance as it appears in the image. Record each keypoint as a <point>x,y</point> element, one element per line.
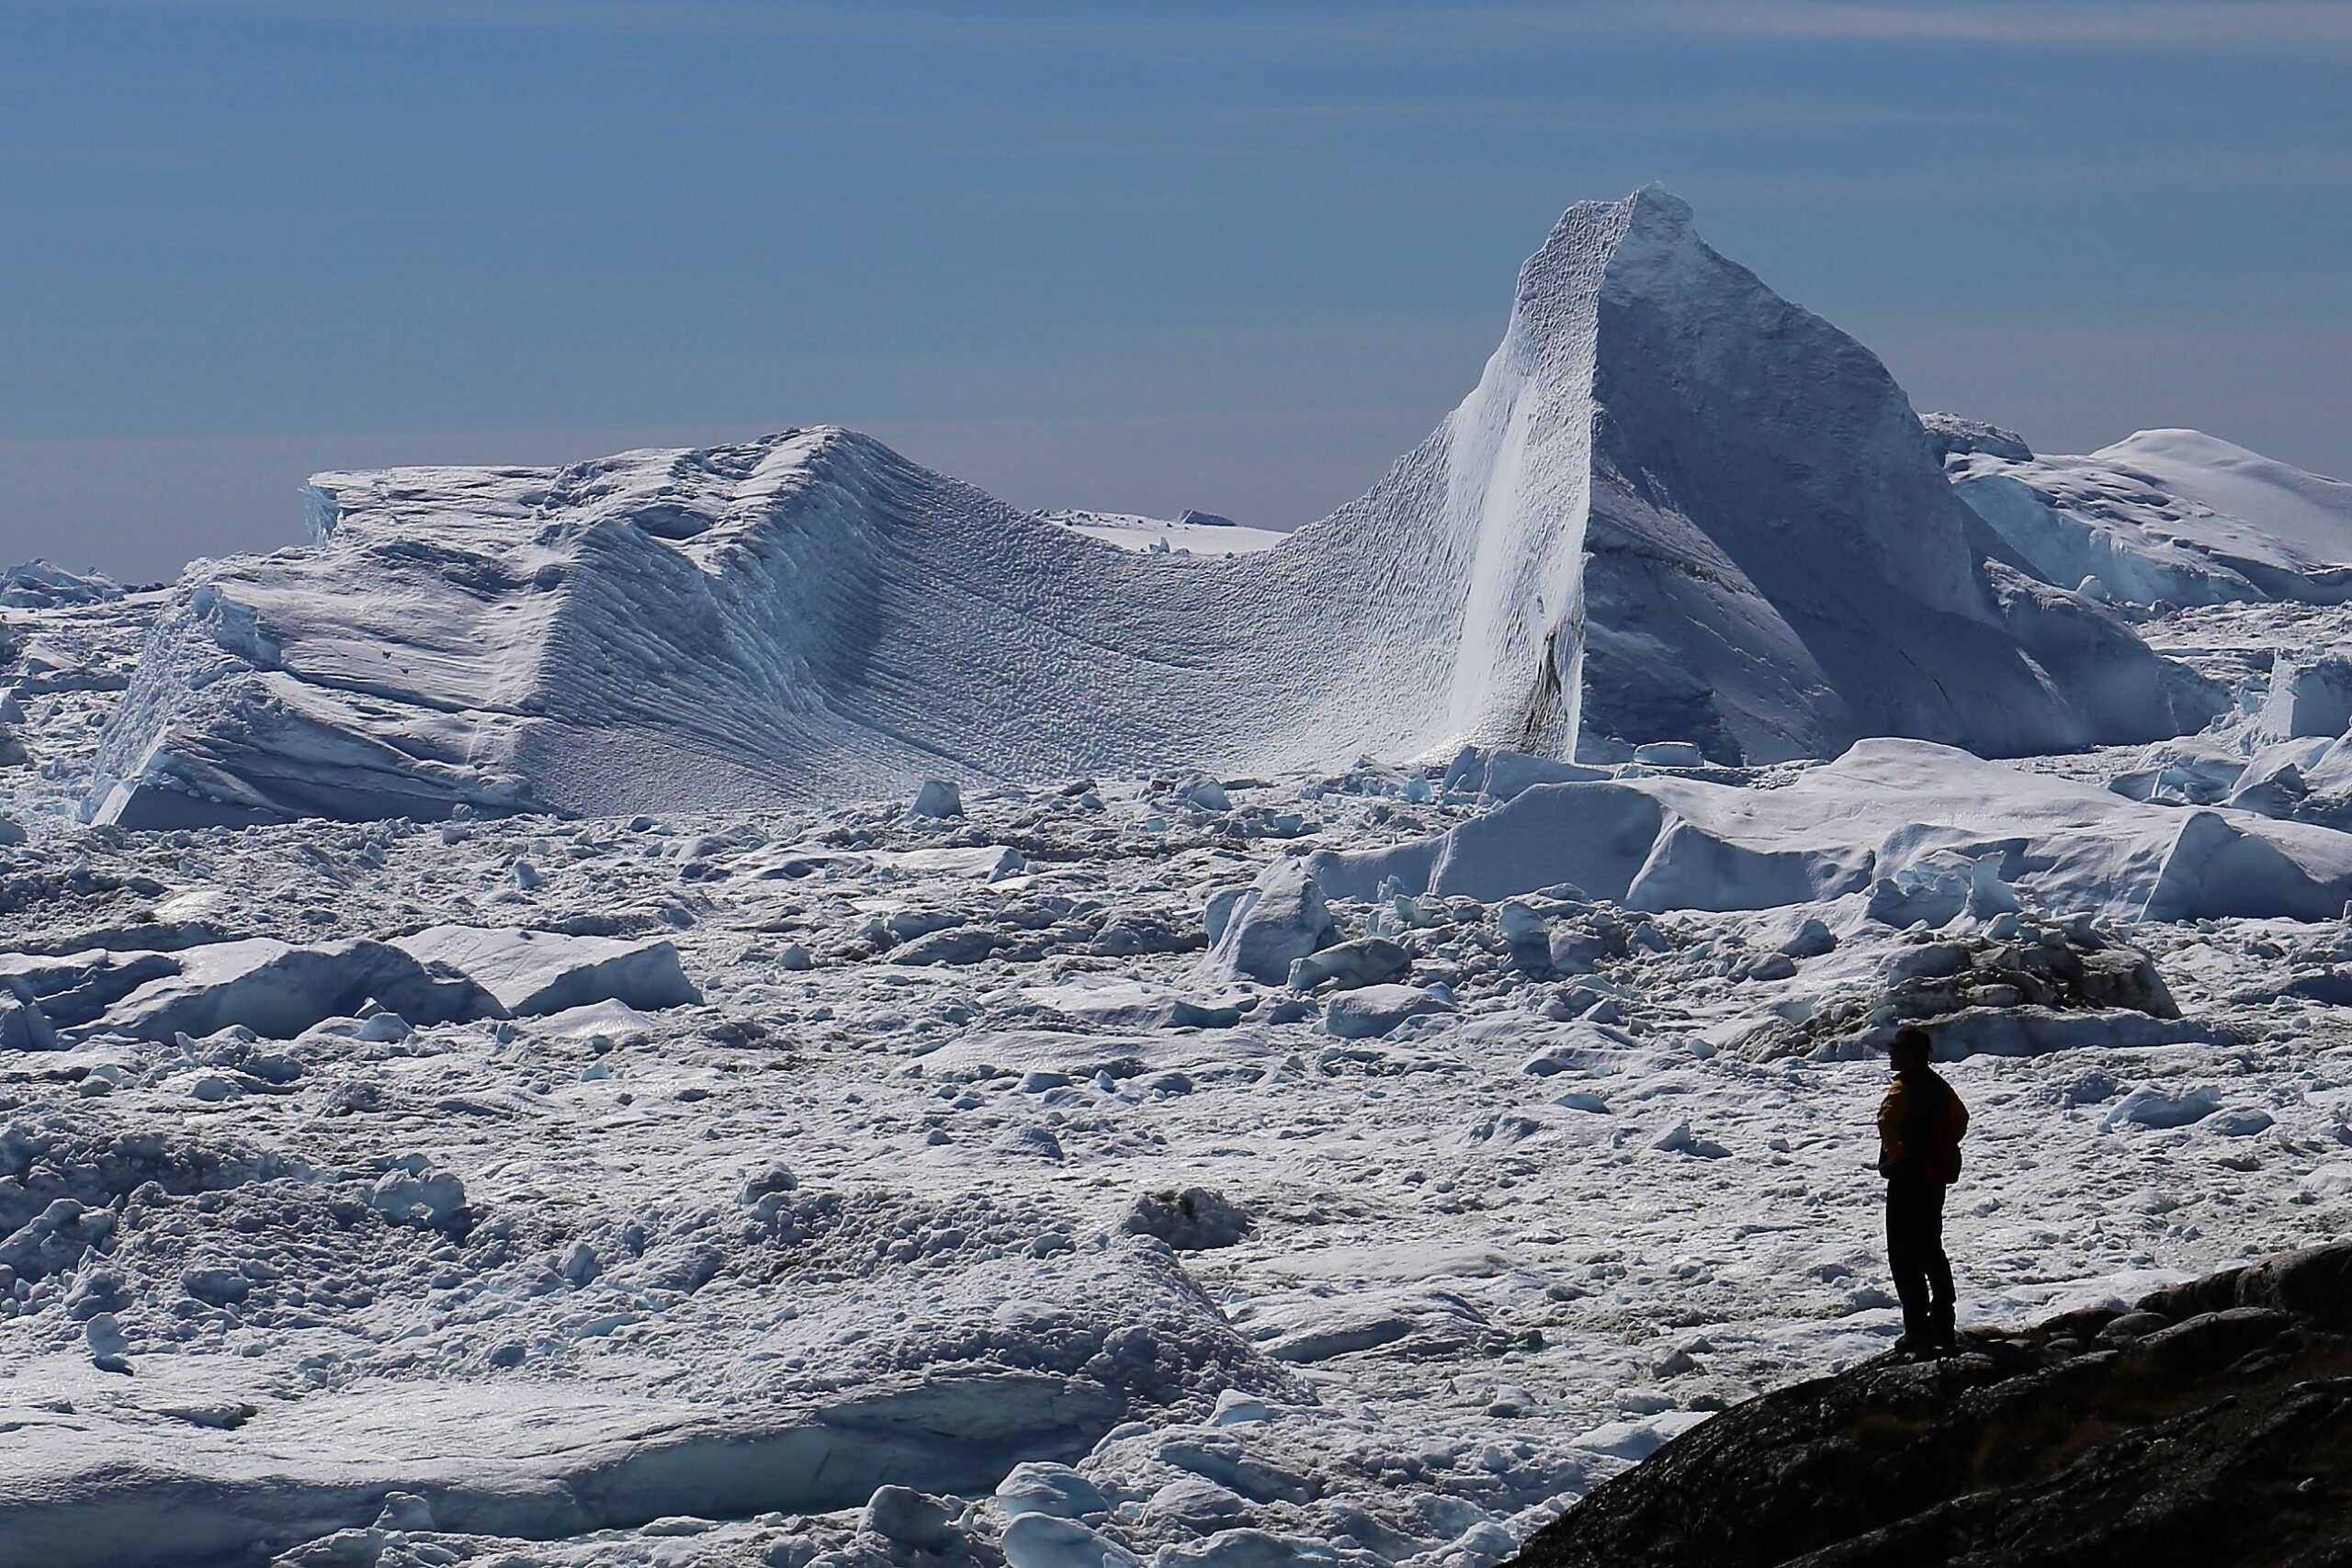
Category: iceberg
<point>2164,515</point>
<point>1889,811</point>
<point>1676,508</point>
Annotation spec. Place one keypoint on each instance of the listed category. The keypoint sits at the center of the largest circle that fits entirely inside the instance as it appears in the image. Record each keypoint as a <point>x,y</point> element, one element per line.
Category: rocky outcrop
<point>2212,1424</point>
<point>2017,986</point>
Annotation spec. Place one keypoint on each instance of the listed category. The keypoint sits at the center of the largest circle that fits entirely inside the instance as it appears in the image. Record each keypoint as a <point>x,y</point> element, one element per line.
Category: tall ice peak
<point>1674,507</point>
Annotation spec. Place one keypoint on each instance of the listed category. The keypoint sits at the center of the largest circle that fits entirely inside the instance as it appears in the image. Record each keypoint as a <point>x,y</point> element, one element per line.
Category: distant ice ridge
<point>1195,533</point>
<point>36,585</point>
<point>1777,569</point>
<point>1903,827</point>
<point>2163,514</point>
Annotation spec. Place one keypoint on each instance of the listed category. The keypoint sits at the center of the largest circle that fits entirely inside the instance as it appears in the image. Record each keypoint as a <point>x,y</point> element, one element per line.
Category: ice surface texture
<point>2164,515</point>
<point>1877,814</point>
<point>1778,568</point>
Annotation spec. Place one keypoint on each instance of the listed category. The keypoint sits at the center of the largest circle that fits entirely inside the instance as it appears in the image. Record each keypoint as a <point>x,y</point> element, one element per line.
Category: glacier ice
<point>1776,566</point>
<point>1889,813</point>
<point>2164,515</point>
<point>956,1165</point>
<point>1280,921</point>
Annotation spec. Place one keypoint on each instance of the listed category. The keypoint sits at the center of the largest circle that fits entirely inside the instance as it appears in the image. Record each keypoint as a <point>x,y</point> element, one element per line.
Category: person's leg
<point>1943,1309</point>
<point>1906,1258</point>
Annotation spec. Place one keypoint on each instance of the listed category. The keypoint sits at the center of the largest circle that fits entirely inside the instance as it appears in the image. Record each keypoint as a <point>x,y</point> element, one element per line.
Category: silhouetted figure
<point>1920,1123</point>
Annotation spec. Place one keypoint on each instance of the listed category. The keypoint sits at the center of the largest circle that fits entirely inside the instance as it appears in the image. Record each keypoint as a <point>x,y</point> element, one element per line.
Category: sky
<point>1233,256</point>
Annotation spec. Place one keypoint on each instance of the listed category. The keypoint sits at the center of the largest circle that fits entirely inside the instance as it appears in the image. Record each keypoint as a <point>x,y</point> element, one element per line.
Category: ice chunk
<point>1504,774</point>
<point>1055,1489</point>
<point>1205,793</point>
<point>2308,695</point>
<point>415,1194</point>
<point>1366,960</point>
<point>1919,818</point>
<point>907,1518</point>
<point>36,585</point>
<point>1281,920</point>
<point>1217,913</point>
<point>1679,1139</point>
<point>1954,436</point>
<point>1640,1439</point>
<point>532,972</point>
<point>1047,1540</point>
<point>109,1349</point>
<point>2038,1031</point>
<point>953,945</point>
<point>279,991</point>
<point>23,1026</point>
<point>2166,514</point>
<point>2153,1107</point>
<point>983,862</point>
<point>937,797</point>
<point>1192,1220</point>
<point>1374,1010</point>
<point>1810,940</point>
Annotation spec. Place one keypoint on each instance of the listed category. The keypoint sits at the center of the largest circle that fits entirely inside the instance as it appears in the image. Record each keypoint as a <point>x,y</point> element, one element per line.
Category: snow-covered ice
<point>2174,515</point>
<point>688,1283</point>
<point>1886,812</point>
<point>1195,533</point>
<point>755,1006</point>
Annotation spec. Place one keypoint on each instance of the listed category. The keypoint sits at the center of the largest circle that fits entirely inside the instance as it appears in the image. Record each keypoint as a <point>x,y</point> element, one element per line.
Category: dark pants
<point>1914,1250</point>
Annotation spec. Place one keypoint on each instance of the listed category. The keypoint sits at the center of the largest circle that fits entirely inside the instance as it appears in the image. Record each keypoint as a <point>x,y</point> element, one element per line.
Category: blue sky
<point>1234,257</point>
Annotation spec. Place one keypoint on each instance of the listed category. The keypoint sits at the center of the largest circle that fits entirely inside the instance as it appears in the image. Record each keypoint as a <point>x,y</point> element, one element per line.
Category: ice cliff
<point>1734,495</point>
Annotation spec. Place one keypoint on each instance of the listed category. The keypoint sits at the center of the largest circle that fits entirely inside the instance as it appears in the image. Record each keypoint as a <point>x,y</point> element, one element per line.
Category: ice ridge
<point>2162,516</point>
<point>1776,566</point>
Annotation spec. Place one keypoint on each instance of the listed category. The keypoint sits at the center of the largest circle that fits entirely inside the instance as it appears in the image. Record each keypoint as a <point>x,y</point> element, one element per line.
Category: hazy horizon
<point>1238,261</point>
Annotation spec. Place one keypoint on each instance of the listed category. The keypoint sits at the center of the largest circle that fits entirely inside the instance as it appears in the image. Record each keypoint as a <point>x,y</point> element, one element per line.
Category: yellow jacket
<point>1920,1123</point>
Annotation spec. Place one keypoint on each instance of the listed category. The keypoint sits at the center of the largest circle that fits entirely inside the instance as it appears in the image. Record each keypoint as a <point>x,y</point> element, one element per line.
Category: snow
<point>515,1078</point>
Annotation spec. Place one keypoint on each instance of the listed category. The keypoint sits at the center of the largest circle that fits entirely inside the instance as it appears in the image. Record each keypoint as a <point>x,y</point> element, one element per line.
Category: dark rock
<point>2219,1434</point>
<point>1951,984</point>
<point>1193,1220</point>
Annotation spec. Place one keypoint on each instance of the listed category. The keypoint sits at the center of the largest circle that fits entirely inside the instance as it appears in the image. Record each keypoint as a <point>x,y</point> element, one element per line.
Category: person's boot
<point>1943,1335</point>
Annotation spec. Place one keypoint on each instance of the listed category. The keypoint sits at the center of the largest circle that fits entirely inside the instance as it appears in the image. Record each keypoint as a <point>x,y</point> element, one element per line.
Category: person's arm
<point>1890,1111</point>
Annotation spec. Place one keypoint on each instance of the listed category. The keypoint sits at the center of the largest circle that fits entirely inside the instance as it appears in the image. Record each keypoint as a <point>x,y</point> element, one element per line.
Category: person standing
<point>1920,1123</point>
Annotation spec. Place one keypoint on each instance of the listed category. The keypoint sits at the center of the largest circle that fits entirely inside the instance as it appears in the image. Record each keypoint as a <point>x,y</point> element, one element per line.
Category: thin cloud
<point>2239,25</point>
<point>2263,26</point>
